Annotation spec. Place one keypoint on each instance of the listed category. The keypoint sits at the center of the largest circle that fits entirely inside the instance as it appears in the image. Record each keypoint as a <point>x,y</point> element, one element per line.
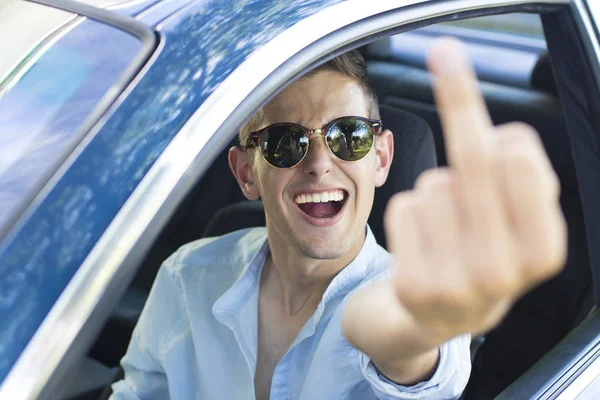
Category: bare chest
<point>276,333</point>
<point>272,346</point>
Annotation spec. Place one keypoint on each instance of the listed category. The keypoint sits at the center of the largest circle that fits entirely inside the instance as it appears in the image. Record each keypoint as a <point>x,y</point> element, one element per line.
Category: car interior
<point>521,88</point>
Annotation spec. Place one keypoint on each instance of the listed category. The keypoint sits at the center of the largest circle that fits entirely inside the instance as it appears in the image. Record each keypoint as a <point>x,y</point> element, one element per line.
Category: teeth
<point>323,197</point>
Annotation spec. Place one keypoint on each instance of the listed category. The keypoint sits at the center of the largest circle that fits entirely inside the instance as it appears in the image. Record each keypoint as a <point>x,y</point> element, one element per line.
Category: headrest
<point>414,152</point>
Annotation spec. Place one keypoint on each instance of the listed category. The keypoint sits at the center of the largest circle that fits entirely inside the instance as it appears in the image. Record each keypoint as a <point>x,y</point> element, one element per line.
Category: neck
<point>299,282</point>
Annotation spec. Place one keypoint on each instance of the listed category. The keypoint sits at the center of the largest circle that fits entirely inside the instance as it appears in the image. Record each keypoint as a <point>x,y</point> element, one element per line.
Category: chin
<point>325,251</point>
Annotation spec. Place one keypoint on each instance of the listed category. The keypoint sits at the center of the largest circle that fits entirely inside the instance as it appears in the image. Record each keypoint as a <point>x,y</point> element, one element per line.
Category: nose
<point>318,160</point>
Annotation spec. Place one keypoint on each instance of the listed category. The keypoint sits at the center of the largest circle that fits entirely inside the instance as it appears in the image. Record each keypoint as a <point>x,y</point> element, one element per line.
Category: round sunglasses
<point>285,145</point>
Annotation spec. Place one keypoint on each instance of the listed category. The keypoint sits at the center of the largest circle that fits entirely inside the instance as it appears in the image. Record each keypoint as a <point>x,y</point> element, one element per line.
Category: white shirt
<point>197,336</point>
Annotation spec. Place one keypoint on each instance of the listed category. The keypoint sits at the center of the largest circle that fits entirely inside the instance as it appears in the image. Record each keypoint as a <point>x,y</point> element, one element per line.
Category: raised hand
<point>468,240</point>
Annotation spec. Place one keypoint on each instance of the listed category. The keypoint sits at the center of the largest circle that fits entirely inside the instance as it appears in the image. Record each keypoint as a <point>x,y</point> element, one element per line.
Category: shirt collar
<point>232,301</point>
<point>353,274</point>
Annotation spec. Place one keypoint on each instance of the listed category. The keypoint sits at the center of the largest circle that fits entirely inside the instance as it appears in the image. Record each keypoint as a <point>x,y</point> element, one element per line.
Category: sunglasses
<point>285,145</point>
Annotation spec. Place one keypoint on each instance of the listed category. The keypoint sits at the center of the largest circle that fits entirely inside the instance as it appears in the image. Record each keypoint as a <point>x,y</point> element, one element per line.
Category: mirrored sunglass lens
<point>350,139</point>
<point>283,146</point>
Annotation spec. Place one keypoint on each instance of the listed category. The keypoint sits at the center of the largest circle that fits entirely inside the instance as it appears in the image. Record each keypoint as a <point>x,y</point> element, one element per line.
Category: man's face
<point>319,230</point>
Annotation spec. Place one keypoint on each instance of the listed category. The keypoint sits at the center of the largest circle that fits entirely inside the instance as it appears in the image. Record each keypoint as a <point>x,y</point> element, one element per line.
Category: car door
<point>511,103</point>
<point>309,34</point>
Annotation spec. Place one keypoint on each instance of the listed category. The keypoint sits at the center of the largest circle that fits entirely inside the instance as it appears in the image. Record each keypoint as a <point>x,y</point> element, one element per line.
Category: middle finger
<point>468,135</point>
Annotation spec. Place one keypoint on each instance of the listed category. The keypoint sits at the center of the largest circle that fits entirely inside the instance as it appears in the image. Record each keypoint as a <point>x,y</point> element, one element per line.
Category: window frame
<point>559,374</point>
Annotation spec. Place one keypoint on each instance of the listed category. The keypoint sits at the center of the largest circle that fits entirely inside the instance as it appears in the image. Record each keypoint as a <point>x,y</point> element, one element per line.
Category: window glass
<point>47,97</point>
<point>40,21</point>
<point>527,25</point>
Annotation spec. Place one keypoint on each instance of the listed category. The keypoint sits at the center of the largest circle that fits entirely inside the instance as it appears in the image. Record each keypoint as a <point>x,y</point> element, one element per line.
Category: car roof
<point>133,8</point>
<point>106,3</point>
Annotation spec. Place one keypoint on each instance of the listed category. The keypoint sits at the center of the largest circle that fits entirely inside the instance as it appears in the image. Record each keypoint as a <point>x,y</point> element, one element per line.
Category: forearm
<point>391,338</point>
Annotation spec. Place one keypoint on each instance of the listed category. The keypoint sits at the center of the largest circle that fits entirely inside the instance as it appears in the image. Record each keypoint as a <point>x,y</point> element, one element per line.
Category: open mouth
<point>321,205</point>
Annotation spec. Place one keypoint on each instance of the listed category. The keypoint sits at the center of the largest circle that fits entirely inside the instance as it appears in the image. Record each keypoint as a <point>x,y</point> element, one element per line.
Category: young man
<point>311,307</point>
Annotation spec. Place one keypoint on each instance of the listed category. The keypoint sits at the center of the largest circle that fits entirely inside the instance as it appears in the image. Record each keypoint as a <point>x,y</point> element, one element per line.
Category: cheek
<point>364,178</point>
<point>272,182</point>
<point>363,173</point>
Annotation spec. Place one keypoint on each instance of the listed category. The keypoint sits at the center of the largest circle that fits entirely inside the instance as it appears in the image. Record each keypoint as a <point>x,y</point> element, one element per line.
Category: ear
<point>384,146</point>
<point>240,164</point>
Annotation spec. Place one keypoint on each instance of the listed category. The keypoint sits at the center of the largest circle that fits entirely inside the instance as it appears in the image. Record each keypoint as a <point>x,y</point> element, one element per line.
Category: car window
<point>48,94</point>
<point>14,14</point>
<point>504,48</point>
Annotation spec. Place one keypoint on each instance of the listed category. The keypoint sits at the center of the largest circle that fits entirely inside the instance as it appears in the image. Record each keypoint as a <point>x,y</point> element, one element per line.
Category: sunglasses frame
<point>376,126</point>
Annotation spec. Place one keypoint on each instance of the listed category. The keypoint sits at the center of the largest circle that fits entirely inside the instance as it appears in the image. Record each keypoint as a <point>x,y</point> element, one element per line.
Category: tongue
<point>320,210</point>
